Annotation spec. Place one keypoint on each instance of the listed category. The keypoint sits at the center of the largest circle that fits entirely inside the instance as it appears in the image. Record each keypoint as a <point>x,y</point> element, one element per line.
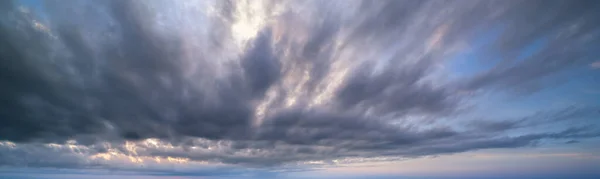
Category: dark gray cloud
<point>313,82</point>
<point>572,142</point>
<point>570,115</point>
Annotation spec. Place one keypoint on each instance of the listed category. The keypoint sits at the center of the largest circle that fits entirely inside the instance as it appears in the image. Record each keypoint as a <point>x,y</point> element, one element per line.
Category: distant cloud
<point>572,142</point>
<point>595,65</point>
<point>591,91</point>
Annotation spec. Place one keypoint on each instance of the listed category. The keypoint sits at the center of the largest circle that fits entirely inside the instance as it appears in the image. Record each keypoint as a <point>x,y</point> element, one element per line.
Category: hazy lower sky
<point>186,89</point>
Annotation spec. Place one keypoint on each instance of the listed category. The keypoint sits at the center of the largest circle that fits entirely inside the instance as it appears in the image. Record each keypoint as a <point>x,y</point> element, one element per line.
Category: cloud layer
<point>271,83</point>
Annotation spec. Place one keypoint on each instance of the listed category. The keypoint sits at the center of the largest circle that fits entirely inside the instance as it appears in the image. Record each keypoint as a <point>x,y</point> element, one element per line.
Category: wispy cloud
<point>595,65</point>
<point>281,85</point>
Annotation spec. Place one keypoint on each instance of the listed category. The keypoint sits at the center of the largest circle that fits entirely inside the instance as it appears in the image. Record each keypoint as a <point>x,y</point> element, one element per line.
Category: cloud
<point>595,65</point>
<point>551,116</point>
<point>126,83</point>
<point>572,142</point>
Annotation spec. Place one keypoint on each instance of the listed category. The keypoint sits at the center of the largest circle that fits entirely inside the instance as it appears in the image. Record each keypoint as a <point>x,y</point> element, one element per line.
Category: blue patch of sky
<point>469,62</point>
<point>480,58</point>
<point>507,106</point>
<point>574,86</point>
<point>532,49</point>
<point>36,7</point>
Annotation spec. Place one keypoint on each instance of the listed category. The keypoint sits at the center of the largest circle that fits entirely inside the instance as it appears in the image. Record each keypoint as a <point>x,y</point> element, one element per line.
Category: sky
<point>430,89</point>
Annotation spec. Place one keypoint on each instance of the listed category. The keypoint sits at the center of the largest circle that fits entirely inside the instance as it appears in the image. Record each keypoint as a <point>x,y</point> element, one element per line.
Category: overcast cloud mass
<point>238,86</point>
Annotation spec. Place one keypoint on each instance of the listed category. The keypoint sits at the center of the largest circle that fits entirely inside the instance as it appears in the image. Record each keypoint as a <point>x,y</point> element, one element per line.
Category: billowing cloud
<point>268,83</point>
